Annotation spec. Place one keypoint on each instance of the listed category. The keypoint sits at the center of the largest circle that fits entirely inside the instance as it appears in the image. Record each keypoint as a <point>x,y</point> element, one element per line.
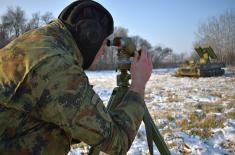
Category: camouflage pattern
<point>47,103</point>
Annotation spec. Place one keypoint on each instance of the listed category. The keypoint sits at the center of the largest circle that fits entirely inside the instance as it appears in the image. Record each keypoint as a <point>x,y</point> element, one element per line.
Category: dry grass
<point>211,122</point>
<point>229,145</point>
<point>201,125</point>
<point>168,114</point>
<point>172,144</point>
<point>170,117</point>
<point>228,97</point>
<point>184,124</point>
<point>171,97</point>
<point>208,107</point>
<point>231,104</point>
<point>217,94</point>
<point>230,115</point>
<point>204,133</point>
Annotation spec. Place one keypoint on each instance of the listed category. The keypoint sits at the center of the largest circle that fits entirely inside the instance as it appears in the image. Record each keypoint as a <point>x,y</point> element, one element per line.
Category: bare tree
<point>14,21</point>
<point>140,42</point>
<point>219,33</point>
<point>3,36</point>
<point>179,58</point>
<point>158,54</point>
<point>34,22</point>
<point>47,17</point>
<point>120,32</point>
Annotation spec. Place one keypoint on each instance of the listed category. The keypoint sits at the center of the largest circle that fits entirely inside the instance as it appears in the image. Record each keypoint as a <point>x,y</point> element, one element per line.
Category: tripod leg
<point>156,135</point>
<point>148,130</point>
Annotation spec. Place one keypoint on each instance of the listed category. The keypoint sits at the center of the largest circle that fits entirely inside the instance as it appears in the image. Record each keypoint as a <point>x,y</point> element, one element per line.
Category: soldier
<point>46,101</point>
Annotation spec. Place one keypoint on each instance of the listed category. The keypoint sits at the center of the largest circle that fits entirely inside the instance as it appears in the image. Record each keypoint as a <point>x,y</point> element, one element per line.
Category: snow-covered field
<point>194,115</point>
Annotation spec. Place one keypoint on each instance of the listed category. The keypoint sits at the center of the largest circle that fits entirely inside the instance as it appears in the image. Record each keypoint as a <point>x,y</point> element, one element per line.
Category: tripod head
<point>126,49</point>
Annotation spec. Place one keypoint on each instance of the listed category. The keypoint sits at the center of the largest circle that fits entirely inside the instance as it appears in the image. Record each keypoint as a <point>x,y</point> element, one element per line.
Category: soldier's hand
<point>141,69</point>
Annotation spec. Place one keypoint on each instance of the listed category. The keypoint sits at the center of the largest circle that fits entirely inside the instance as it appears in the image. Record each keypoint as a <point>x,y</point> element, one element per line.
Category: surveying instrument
<point>126,50</point>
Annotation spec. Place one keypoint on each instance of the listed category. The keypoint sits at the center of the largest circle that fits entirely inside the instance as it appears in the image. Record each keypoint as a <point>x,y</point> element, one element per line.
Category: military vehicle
<point>203,68</point>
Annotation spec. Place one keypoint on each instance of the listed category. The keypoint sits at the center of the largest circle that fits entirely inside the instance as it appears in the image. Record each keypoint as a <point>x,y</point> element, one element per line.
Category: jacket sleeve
<point>67,100</point>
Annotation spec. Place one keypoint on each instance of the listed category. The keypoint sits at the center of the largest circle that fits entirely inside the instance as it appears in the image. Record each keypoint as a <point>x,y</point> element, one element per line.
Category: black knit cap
<point>89,23</point>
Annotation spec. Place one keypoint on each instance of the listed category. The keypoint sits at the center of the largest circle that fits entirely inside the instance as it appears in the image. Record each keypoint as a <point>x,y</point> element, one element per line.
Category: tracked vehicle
<point>203,68</point>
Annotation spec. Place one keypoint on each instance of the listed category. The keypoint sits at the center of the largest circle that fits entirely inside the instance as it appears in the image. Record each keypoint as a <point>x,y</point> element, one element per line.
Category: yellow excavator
<point>203,68</point>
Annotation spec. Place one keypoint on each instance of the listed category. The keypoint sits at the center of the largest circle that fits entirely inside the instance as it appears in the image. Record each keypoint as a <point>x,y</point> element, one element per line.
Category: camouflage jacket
<point>47,103</point>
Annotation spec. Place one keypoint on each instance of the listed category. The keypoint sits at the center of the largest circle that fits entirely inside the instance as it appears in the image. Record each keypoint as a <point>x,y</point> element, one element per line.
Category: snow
<point>170,100</point>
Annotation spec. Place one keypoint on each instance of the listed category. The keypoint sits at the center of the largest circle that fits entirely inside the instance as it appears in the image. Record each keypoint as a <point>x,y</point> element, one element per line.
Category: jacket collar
<point>67,38</point>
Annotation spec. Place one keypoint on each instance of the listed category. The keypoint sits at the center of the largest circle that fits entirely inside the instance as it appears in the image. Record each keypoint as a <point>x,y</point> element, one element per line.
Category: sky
<point>168,23</point>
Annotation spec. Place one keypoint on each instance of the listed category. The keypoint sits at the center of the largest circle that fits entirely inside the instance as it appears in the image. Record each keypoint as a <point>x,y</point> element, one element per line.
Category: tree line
<point>218,32</point>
